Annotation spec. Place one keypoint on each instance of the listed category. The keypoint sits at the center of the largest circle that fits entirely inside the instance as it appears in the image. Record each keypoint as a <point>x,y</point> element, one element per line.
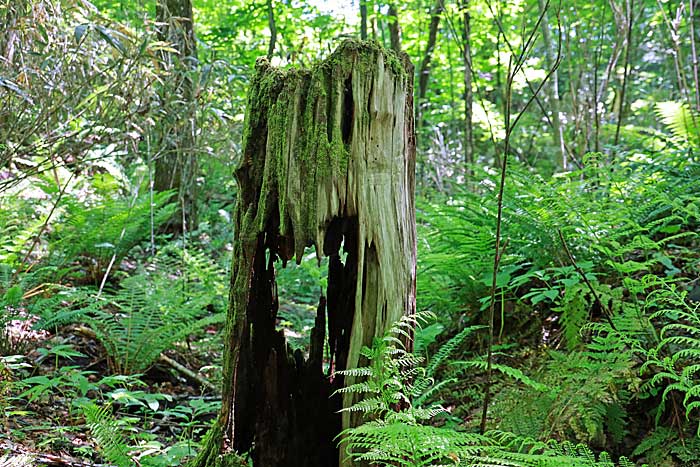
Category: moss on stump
<point>328,161</point>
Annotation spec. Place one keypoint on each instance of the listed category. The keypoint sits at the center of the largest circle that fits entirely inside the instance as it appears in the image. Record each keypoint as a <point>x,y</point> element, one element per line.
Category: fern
<point>578,395</point>
<point>108,434</point>
<point>16,233</point>
<point>449,348</point>
<point>424,386</point>
<point>384,383</point>
<point>513,373</point>
<point>673,362</point>
<point>683,122</point>
<point>150,311</point>
<point>398,440</point>
<point>94,234</point>
<point>397,434</point>
<point>575,308</point>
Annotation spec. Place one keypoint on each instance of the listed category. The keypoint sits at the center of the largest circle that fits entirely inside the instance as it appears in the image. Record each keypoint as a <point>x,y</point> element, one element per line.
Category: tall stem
<point>514,65</point>
<point>497,256</point>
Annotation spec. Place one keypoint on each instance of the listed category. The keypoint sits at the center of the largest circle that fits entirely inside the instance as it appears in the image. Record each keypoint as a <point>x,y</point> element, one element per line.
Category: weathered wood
<point>329,156</point>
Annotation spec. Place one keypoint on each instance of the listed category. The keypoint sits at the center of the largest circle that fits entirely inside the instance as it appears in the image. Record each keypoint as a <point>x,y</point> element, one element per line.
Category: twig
<point>606,310</point>
<point>187,372</point>
<point>16,455</point>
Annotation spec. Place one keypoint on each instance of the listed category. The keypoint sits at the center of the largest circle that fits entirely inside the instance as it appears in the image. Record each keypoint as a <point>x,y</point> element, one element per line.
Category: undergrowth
<point>397,429</point>
<point>595,302</point>
<point>176,295</point>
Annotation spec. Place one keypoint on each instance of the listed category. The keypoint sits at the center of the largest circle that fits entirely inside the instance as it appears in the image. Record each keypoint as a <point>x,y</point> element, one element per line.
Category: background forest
<point>558,211</point>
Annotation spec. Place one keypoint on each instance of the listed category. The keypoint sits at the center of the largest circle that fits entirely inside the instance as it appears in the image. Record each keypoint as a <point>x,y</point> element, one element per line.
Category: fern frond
<point>108,435</point>
<point>506,370</point>
<point>683,122</point>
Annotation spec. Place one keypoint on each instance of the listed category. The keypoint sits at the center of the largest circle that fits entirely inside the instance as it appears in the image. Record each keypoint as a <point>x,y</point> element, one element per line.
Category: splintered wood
<point>329,157</point>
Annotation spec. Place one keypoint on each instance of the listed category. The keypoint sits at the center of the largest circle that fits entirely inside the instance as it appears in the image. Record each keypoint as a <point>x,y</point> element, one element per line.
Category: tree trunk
<point>363,20</point>
<point>468,94</point>
<point>695,64</point>
<point>328,161</point>
<point>629,7</point>
<point>273,29</point>
<point>394,28</point>
<point>176,166</point>
<point>554,104</point>
<point>424,70</point>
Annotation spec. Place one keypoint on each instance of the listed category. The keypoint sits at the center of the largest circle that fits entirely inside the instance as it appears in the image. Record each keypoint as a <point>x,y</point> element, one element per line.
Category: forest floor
<point>160,407</point>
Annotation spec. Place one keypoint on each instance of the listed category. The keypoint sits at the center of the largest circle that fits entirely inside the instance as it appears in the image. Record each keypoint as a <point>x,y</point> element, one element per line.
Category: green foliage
<point>391,435</point>
<point>449,348</point>
<point>624,221</point>
<point>299,287</point>
<point>454,237</point>
<point>589,341</point>
<point>631,233</point>
<point>396,433</point>
<point>584,399</point>
<point>682,121</point>
<point>9,366</point>
<point>17,228</point>
<point>620,225</point>
<point>663,444</point>
<point>384,381</point>
<point>674,362</point>
<point>108,433</point>
<point>115,411</point>
<point>75,86</point>
<point>150,311</point>
<point>400,441</point>
<point>94,235</point>
<point>147,315</point>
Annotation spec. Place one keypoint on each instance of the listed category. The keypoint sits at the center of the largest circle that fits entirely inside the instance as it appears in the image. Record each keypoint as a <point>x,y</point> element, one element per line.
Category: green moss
<point>312,97</point>
<point>366,49</point>
<point>210,455</point>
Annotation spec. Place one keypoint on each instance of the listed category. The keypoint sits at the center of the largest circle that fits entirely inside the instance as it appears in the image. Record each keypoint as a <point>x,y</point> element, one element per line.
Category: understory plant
<point>178,294</point>
<point>398,431</point>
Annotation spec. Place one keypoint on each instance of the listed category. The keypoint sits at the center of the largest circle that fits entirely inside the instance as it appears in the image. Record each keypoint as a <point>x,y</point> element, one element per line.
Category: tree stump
<point>328,161</point>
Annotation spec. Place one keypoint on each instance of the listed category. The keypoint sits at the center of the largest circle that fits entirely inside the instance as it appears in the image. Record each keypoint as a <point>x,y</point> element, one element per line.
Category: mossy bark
<point>329,158</point>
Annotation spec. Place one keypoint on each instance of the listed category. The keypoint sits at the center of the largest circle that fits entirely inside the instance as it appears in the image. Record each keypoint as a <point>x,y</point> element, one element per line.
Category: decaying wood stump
<point>329,156</point>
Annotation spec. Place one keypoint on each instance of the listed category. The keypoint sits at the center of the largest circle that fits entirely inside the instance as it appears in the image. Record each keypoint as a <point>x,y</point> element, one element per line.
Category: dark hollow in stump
<point>329,159</point>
